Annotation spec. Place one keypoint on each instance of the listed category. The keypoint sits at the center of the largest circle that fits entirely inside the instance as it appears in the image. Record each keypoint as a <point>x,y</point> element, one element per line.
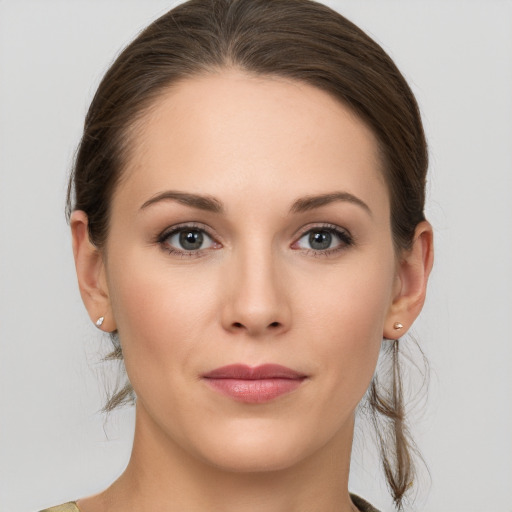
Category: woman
<point>247,218</point>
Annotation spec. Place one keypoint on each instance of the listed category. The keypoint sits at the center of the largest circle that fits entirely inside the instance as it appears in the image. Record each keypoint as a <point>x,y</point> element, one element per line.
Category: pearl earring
<point>99,322</point>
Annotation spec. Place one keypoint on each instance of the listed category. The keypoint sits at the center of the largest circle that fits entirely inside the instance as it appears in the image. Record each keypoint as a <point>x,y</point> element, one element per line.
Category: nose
<point>256,301</point>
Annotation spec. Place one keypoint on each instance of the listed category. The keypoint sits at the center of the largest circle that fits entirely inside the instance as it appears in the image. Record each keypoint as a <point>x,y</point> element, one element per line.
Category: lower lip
<point>254,391</point>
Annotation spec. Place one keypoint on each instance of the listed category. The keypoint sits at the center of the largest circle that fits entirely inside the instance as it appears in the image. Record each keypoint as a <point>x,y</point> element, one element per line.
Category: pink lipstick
<point>254,384</point>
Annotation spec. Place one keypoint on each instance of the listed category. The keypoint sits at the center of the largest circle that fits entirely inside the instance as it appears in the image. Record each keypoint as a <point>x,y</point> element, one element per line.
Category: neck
<point>161,475</point>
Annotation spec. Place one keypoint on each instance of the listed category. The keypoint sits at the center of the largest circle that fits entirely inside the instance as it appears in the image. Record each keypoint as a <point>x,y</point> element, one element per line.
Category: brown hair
<point>296,39</point>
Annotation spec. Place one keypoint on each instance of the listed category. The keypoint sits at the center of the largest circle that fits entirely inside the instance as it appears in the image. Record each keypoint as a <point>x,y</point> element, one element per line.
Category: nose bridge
<point>257,300</point>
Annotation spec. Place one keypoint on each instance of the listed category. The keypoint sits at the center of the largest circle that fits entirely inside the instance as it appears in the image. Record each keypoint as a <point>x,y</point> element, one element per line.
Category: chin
<point>254,459</point>
<point>261,448</point>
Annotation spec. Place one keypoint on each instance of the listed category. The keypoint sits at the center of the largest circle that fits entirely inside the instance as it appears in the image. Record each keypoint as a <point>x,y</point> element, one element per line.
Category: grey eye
<point>188,239</point>
<point>320,240</point>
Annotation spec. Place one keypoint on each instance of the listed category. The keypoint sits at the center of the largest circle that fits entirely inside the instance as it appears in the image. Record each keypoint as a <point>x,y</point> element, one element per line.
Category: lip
<point>255,385</point>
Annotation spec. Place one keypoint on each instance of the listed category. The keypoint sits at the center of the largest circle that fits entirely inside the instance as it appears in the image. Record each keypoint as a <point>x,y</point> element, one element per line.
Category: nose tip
<point>257,301</point>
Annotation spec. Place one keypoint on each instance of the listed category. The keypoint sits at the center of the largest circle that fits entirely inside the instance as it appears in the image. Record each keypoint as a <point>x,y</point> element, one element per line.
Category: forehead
<point>232,134</point>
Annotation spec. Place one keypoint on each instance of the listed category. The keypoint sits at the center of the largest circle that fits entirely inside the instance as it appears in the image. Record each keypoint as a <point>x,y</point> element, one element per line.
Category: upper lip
<point>245,372</point>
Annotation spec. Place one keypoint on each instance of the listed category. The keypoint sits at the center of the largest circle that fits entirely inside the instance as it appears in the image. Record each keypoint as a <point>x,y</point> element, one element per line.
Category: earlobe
<point>412,277</point>
<point>90,273</point>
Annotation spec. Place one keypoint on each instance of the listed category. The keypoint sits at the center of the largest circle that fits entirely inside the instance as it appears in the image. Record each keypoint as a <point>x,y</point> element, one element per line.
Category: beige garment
<point>361,504</point>
<point>66,507</point>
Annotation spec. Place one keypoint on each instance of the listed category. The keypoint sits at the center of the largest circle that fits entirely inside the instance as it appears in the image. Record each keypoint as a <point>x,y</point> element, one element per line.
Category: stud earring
<point>398,326</point>
<point>100,321</point>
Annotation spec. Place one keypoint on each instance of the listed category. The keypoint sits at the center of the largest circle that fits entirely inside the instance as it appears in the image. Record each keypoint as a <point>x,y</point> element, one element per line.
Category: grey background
<point>457,55</point>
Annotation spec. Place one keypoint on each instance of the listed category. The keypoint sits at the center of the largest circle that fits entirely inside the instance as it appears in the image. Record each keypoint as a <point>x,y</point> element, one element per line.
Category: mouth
<point>255,385</point>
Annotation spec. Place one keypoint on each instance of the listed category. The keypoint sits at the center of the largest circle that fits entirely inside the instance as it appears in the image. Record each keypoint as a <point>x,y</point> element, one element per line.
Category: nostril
<point>238,325</point>
<point>274,324</point>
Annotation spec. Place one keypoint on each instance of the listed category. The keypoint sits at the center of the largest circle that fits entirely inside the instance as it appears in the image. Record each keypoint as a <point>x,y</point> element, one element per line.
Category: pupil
<point>191,240</point>
<point>320,240</point>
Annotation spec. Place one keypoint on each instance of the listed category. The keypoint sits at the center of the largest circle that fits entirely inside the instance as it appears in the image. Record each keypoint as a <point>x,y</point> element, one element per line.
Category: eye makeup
<point>193,239</point>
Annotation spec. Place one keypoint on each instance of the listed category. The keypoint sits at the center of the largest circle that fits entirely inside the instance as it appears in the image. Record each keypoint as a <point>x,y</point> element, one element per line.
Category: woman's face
<point>251,228</point>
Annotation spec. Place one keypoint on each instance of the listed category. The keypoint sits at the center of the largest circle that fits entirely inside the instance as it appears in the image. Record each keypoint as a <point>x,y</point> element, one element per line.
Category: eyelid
<point>327,226</point>
<point>168,231</point>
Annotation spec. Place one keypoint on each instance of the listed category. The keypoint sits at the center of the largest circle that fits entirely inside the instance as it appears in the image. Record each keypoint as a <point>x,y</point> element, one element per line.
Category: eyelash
<point>345,238</point>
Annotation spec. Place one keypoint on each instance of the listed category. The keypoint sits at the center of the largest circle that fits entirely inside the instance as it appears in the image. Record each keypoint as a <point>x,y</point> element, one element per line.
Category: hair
<point>295,39</point>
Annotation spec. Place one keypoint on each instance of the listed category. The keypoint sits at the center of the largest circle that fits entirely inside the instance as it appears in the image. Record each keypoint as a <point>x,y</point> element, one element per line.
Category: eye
<point>186,240</point>
<point>324,239</point>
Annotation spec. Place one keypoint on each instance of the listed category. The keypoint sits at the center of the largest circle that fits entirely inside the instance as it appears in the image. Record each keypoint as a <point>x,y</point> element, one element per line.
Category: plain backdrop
<point>457,56</point>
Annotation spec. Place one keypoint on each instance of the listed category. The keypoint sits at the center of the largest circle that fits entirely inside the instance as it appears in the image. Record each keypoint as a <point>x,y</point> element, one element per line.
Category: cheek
<point>345,313</point>
<point>159,313</point>
<point>352,299</point>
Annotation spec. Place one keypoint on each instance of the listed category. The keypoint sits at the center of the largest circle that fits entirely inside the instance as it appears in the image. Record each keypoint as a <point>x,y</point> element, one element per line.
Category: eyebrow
<point>307,203</point>
<point>211,204</point>
<point>202,202</point>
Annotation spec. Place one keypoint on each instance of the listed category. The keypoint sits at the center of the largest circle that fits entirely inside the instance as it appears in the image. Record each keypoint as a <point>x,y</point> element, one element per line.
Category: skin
<point>256,292</point>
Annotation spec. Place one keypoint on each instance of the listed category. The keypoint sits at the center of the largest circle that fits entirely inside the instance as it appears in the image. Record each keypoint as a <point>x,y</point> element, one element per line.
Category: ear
<point>413,271</point>
<point>90,271</point>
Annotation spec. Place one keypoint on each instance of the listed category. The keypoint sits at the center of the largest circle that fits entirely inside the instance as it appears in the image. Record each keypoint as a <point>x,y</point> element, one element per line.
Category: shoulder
<point>66,507</point>
<point>362,505</point>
